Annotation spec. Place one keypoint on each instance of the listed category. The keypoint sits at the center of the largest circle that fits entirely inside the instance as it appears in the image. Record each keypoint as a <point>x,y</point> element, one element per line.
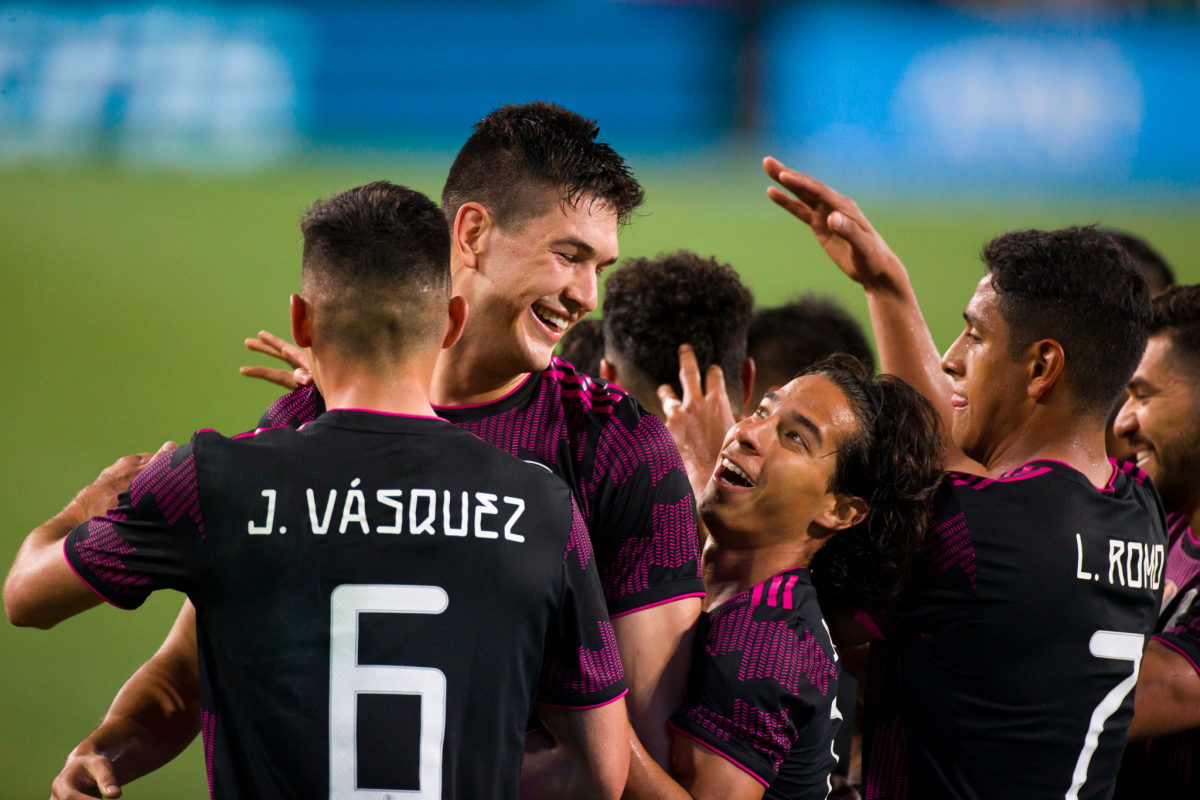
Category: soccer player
<point>380,597</point>
<point>788,339</point>
<point>824,489</point>
<point>1160,421</point>
<point>1006,667</point>
<point>533,203</point>
<point>655,306</point>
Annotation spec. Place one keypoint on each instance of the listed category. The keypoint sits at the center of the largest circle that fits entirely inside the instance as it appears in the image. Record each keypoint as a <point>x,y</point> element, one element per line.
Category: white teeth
<point>546,314</point>
<point>736,470</point>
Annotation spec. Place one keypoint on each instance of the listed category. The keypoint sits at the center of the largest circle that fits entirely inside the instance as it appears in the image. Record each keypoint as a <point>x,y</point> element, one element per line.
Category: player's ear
<point>843,511</point>
<point>1045,361</point>
<point>301,321</point>
<point>472,225</point>
<point>749,373</point>
<point>608,371</point>
<point>457,313</point>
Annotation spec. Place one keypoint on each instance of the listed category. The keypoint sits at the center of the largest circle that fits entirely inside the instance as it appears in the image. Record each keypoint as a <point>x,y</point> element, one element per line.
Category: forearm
<point>28,597</point>
<point>647,780</point>
<point>1167,699</point>
<point>551,770</point>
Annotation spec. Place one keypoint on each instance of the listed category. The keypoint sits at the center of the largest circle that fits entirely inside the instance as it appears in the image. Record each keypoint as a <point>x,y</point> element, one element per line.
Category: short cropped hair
<point>1176,314</point>
<point>786,340</point>
<point>583,346</point>
<point>654,305</point>
<point>377,268</point>
<point>1158,272</point>
<point>522,158</point>
<point>1079,287</point>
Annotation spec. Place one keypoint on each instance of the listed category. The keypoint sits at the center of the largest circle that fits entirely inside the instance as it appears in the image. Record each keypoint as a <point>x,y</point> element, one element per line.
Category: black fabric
<point>987,681</point>
<point>299,575</point>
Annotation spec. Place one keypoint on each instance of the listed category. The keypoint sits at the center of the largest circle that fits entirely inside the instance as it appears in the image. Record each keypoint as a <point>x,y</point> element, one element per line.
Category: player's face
<point>772,479</point>
<point>538,280</point>
<point>990,387</point>
<point>1161,424</point>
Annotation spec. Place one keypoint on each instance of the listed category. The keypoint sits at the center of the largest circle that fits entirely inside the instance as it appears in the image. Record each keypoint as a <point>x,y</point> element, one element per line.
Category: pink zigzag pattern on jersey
<point>579,540</point>
<point>173,487</point>
<point>887,772</point>
<point>536,428</point>
<point>294,408</point>
<point>619,451</point>
<point>102,551</point>
<point>771,649</point>
<point>208,729</point>
<point>673,544</point>
<point>596,670</point>
<point>950,546</point>
<point>770,734</point>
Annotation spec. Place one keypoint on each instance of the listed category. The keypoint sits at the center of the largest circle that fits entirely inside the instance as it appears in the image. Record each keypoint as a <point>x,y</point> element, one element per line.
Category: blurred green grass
<point>124,298</point>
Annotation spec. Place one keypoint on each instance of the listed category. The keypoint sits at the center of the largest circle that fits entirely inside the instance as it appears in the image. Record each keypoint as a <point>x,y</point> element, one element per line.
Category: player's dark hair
<point>786,340</point>
<point>895,464</point>
<point>583,346</point>
<point>377,268</point>
<point>1158,272</point>
<point>1080,288</point>
<point>654,305</point>
<point>1176,313</point>
<point>521,158</point>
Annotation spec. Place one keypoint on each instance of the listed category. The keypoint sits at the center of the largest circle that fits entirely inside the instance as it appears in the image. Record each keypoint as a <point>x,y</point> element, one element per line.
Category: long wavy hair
<point>895,464</point>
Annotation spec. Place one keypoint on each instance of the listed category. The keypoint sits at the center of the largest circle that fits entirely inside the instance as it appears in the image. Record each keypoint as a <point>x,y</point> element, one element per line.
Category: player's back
<point>1008,666</point>
<point>376,598</point>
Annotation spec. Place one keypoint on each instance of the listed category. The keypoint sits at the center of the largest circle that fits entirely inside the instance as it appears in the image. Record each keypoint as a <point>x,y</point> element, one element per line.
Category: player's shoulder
<point>298,407</point>
<point>778,627</point>
<point>590,397</point>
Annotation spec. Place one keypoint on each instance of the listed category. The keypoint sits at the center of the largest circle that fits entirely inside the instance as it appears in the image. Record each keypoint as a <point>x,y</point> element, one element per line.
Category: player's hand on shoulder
<point>86,774</point>
<point>271,345</point>
<point>102,493</point>
<point>840,227</point>
<point>698,423</point>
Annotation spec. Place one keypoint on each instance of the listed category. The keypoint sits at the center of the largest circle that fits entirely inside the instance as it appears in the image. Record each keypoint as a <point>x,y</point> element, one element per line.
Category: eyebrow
<point>971,319</point>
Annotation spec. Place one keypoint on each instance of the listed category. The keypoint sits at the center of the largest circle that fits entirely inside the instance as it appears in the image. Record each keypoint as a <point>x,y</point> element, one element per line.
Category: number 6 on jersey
<point>347,680</point>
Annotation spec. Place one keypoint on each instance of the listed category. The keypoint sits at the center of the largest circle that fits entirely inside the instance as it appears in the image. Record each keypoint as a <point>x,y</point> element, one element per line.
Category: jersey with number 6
<point>1006,668</point>
<point>380,601</point>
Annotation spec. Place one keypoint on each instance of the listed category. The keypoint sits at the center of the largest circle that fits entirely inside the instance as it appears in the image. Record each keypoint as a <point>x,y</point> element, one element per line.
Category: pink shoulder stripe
<point>257,431</point>
<point>585,708</point>
<point>620,614</point>
<point>725,756</point>
<point>504,396</point>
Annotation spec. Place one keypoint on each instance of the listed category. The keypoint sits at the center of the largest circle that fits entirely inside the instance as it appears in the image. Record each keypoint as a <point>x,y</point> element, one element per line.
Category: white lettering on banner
<point>1079,573</point>
<point>1138,565</point>
<point>414,499</point>
<point>1115,549</point>
<point>323,525</point>
<point>391,497</point>
<point>355,495</point>
<point>516,515</point>
<point>486,506</point>
<point>447,528</point>
<point>270,524</point>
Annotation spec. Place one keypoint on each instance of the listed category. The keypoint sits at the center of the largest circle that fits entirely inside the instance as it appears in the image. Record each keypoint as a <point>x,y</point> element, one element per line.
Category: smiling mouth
<point>731,474</point>
<point>551,319</point>
<point>1143,456</point>
<point>958,401</point>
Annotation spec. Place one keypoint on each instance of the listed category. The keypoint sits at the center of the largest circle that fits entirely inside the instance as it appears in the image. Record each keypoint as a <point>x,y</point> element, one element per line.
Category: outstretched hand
<point>102,493</point>
<point>271,345</point>
<point>85,775</point>
<point>698,423</point>
<point>840,227</point>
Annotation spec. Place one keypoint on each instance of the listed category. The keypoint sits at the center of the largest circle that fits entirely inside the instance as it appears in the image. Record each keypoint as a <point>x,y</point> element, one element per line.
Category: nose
<point>1125,425</point>
<point>748,434</point>
<point>952,363</point>
<point>582,294</point>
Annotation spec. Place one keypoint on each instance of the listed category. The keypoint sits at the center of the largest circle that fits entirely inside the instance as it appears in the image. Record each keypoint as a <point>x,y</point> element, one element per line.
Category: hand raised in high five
<point>839,225</point>
<point>271,345</point>
<point>698,423</point>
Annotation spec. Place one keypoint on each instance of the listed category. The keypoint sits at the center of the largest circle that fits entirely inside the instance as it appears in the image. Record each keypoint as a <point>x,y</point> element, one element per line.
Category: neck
<point>1191,510</point>
<point>466,376</point>
<point>402,391</point>
<point>730,569</point>
<point>1070,438</point>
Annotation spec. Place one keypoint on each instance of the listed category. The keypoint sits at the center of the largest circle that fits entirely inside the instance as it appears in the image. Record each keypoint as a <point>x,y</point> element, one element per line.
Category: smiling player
<point>534,204</point>
<point>1006,667</point>
<point>351,579</point>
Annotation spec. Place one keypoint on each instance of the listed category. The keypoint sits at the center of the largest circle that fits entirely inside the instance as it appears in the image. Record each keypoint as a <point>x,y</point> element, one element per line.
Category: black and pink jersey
<point>1171,764</point>
<point>1006,668</point>
<point>763,687</point>
<point>380,601</point>
<point>619,461</point>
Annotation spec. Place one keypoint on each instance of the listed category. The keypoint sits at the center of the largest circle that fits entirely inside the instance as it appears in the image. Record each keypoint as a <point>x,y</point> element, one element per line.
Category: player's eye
<point>761,412</point>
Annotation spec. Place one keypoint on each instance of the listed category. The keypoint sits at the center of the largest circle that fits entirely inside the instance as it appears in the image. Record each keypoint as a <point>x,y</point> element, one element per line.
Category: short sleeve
<point>643,516</point>
<point>761,690</point>
<point>1184,636</point>
<point>152,540</point>
<point>581,667</point>
<point>298,407</point>
<point>942,587</point>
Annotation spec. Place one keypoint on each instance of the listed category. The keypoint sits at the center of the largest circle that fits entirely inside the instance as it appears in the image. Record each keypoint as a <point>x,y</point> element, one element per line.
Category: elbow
<point>608,778</point>
<point>20,611</point>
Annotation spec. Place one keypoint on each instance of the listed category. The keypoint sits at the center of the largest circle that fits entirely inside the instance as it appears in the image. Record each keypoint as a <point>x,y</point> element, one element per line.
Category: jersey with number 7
<point>1007,667</point>
<point>380,601</point>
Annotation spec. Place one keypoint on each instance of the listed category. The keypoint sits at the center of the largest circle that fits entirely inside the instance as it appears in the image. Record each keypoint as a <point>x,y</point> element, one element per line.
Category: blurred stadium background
<point>154,161</point>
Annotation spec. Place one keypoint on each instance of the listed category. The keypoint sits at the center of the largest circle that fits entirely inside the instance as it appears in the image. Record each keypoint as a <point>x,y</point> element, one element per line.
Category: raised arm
<point>41,589</point>
<point>153,719</point>
<point>902,337</point>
